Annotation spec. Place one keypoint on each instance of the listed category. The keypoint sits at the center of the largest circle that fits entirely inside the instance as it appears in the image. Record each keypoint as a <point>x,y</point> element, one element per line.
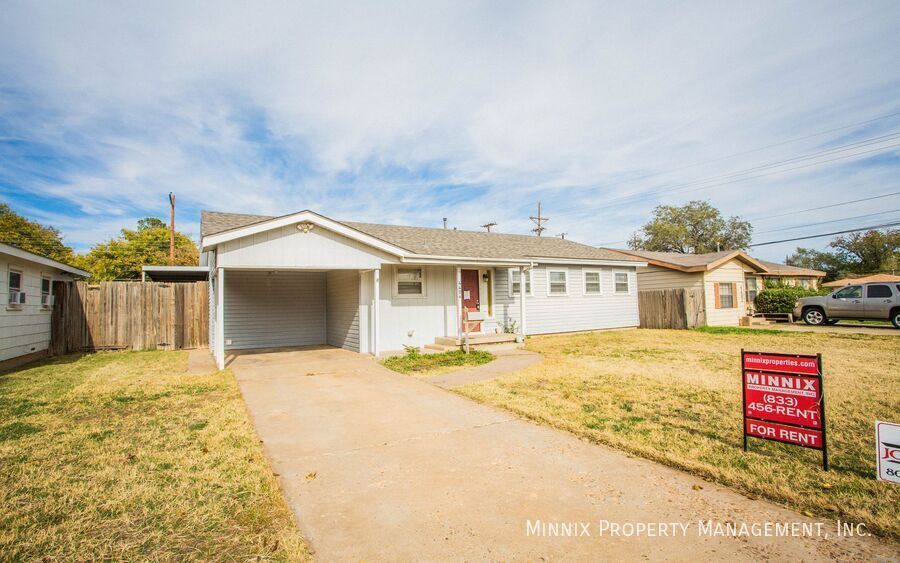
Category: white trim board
<point>37,259</point>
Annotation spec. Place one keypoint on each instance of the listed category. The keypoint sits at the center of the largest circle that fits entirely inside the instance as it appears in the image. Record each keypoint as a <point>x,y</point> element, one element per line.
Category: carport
<point>287,308</point>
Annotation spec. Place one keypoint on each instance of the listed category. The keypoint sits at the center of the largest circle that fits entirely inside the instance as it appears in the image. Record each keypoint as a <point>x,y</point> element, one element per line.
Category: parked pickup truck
<point>856,302</point>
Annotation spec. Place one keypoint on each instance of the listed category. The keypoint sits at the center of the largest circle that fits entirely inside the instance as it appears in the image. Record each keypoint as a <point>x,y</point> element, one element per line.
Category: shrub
<point>780,299</point>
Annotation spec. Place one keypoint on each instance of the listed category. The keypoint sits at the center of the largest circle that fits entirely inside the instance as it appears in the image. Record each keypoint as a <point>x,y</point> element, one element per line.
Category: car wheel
<point>814,317</point>
<point>895,318</point>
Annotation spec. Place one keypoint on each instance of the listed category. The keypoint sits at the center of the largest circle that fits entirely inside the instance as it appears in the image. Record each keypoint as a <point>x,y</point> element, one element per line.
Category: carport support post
<point>522,293</point>
<point>459,309</point>
<point>220,318</point>
<point>376,288</point>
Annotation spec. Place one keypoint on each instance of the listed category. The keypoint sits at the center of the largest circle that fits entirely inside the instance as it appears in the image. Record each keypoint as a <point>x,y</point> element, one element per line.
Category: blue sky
<point>407,112</point>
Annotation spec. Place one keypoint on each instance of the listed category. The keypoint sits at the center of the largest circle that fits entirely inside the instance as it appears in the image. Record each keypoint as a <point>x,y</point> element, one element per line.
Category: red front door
<point>470,297</point>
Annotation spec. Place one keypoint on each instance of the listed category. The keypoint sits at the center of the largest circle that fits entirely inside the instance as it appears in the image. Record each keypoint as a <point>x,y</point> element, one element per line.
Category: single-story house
<point>306,279</point>
<point>730,280</point>
<point>27,283</point>
<point>875,278</point>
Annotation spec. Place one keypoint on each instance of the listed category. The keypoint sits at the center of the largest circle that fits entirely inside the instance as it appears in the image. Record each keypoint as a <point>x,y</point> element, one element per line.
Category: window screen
<point>592,282</point>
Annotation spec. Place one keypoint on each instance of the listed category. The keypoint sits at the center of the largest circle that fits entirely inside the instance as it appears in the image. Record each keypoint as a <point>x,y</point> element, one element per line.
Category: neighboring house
<point>730,280</point>
<point>27,284</point>
<point>875,278</point>
<point>305,279</point>
<point>791,275</point>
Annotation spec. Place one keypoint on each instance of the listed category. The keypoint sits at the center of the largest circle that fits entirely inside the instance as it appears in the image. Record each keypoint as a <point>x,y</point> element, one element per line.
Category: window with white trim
<point>557,282</point>
<point>621,282</point>
<point>46,289</point>
<point>409,282</point>
<point>592,282</point>
<point>515,279</point>
<point>16,294</point>
<point>726,296</point>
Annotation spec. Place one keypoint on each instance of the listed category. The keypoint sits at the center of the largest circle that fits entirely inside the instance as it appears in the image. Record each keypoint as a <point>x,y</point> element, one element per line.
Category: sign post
<point>784,400</point>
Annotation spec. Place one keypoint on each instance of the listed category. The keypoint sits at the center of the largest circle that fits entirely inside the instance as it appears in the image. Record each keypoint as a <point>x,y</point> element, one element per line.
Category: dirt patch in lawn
<point>124,456</point>
<point>421,365</point>
<point>675,397</point>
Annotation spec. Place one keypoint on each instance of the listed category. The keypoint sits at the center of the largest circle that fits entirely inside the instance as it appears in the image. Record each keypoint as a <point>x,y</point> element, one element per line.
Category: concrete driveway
<point>405,470</point>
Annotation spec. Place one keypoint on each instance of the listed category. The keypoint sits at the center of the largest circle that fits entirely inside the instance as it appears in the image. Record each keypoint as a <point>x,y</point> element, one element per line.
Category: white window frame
<point>734,299</point>
<point>529,283</point>
<point>14,306</point>
<point>599,282</point>
<point>49,304</point>
<point>396,283</point>
<point>550,285</point>
<point>627,279</point>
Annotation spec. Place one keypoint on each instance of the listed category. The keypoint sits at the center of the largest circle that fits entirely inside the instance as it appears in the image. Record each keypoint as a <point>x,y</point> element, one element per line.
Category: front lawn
<point>675,397</point>
<point>124,456</point>
<point>419,364</point>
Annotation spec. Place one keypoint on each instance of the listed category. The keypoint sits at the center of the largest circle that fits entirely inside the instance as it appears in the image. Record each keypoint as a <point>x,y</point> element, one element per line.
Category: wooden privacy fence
<point>128,315</point>
<point>672,308</point>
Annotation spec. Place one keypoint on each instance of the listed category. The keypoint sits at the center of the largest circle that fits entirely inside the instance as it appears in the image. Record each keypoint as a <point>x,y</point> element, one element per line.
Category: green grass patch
<point>416,363</point>
<point>741,330</point>
<point>124,456</point>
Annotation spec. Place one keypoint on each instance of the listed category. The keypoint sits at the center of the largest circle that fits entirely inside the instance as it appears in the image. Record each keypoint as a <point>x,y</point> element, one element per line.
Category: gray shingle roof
<point>700,260</point>
<point>442,242</point>
<point>679,259</point>
<point>777,269</point>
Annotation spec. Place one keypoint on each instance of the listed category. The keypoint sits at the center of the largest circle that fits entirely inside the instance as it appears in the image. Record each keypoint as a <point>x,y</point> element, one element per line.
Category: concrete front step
<point>476,339</point>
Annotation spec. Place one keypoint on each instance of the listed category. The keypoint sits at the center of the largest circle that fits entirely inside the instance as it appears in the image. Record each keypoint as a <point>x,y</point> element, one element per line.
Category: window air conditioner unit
<point>16,297</point>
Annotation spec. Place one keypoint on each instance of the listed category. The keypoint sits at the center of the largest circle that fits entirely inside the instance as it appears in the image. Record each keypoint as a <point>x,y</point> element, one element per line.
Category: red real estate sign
<point>784,399</point>
<point>784,363</point>
<point>792,399</point>
<point>784,433</point>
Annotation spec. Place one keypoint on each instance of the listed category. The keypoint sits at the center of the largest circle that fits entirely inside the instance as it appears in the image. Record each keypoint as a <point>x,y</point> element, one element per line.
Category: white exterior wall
<point>24,330</point>
<point>573,312</point>
<point>287,247</point>
<point>265,309</point>
<point>656,277</point>
<point>416,321</point>
<point>731,271</point>
<point>342,289</point>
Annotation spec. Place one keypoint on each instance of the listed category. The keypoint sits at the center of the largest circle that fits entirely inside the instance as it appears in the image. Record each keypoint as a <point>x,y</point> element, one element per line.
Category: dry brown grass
<point>124,456</point>
<point>675,397</point>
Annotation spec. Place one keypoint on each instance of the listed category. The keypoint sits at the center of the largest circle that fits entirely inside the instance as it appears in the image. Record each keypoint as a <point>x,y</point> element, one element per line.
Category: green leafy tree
<point>32,236</point>
<point>694,228</point>
<point>833,264</point>
<point>148,245</point>
<point>872,251</point>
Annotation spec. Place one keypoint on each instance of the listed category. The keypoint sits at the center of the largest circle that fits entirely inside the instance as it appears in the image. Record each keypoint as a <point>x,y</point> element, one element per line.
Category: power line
<point>789,141</point>
<point>873,227</point>
<point>767,217</point>
<point>829,221</point>
<point>689,186</point>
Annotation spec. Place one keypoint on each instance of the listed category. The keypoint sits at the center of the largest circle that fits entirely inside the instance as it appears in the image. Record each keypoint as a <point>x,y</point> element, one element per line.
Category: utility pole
<point>562,235</point>
<point>171,229</point>
<point>489,225</point>
<point>539,221</point>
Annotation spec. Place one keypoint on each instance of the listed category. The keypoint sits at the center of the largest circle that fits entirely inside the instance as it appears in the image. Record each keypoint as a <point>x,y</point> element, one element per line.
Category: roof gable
<point>694,262</point>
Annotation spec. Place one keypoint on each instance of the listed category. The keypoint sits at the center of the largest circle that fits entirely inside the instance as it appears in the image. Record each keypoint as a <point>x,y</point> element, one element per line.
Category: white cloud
<point>371,109</point>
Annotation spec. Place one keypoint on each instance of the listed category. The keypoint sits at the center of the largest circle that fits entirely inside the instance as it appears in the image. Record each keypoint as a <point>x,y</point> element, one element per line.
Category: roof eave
<point>38,259</point>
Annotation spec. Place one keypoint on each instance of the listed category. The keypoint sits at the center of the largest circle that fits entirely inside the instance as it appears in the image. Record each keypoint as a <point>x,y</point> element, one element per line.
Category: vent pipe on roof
<point>445,222</point>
